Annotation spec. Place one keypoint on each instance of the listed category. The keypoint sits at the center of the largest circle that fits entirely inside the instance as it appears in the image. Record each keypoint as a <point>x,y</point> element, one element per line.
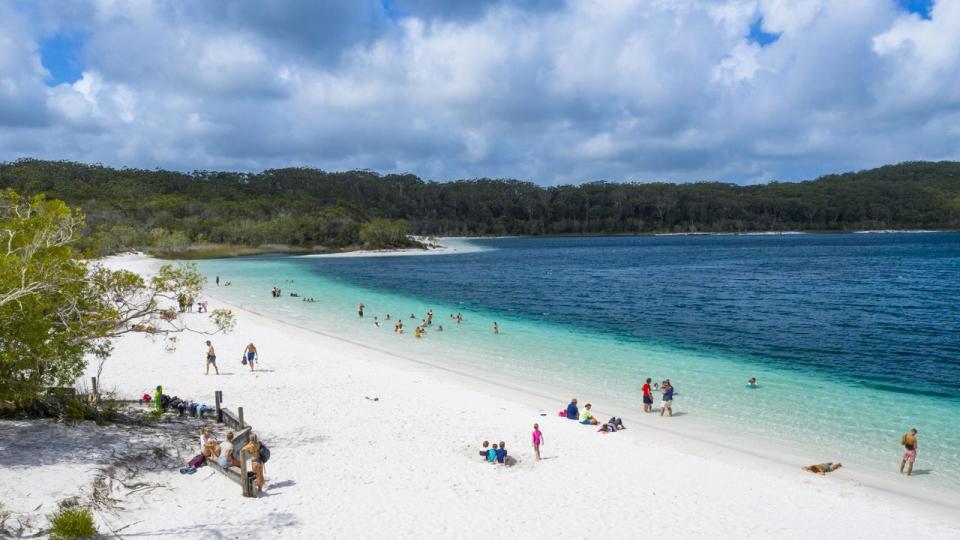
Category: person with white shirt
<point>226,452</point>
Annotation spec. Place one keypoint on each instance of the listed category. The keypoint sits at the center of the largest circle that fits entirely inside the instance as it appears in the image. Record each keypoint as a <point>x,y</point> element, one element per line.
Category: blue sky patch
<point>758,36</point>
<point>60,54</point>
<point>920,7</point>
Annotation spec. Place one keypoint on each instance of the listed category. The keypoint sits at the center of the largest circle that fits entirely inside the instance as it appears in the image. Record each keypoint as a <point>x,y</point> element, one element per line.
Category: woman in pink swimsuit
<point>537,440</point>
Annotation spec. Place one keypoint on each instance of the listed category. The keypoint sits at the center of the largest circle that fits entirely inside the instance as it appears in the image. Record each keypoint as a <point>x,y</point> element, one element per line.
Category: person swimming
<point>752,383</point>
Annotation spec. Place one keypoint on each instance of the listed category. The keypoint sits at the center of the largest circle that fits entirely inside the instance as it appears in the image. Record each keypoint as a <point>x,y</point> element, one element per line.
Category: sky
<point>551,91</point>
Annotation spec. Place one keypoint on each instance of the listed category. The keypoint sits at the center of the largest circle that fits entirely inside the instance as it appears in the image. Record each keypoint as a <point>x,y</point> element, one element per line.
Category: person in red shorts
<point>909,442</point>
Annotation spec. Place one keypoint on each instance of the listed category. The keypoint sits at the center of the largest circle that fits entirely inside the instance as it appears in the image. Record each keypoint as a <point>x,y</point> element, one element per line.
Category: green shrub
<point>71,523</point>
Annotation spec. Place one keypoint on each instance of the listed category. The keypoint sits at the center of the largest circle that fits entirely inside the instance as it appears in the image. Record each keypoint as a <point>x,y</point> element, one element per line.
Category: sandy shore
<point>347,467</point>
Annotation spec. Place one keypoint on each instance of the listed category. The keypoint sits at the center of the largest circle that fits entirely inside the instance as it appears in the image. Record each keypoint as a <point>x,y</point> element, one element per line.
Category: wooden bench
<point>240,439</point>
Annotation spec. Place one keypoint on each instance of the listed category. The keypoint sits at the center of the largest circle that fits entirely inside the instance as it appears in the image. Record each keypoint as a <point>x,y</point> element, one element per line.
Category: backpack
<point>264,453</point>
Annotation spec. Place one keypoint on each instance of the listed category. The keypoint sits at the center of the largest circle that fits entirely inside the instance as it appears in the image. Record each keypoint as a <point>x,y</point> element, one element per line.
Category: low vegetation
<point>72,522</point>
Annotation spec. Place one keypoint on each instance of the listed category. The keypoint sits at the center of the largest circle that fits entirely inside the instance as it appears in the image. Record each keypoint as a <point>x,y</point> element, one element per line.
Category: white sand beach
<point>406,465</point>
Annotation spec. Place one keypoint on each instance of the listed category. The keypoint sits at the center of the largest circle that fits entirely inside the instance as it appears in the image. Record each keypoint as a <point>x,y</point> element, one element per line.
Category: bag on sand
<point>243,360</point>
<point>197,461</point>
<point>264,453</point>
<point>563,413</point>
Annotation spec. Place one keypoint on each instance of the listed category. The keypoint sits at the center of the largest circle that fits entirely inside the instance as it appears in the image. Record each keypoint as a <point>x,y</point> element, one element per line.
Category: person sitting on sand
<point>226,459</point>
<point>752,383</point>
<point>502,453</point>
<point>253,447</point>
<point>485,449</point>
<point>586,417</point>
<point>492,454</point>
<point>823,468</point>
<point>572,412</point>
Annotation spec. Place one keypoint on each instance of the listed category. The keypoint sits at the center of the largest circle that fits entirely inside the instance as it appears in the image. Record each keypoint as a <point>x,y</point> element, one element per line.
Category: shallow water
<point>854,338</point>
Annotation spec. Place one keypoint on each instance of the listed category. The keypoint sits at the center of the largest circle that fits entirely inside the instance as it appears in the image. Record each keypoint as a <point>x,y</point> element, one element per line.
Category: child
<point>537,440</point>
<point>502,453</point>
<point>492,454</point>
<point>485,450</point>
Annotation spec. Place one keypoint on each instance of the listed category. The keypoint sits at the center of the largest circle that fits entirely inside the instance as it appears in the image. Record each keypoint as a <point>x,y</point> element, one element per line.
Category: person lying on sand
<point>823,468</point>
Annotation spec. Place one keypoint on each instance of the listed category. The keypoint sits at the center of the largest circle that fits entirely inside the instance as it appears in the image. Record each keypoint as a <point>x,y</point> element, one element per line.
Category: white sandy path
<point>406,466</point>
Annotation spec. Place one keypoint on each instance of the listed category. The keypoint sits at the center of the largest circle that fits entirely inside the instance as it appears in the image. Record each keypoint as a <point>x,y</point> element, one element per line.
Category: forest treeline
<point>133,208</point>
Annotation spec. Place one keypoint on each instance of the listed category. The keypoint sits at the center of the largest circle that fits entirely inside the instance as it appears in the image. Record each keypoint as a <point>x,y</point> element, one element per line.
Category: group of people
<point>494,453</point>
<point>276,292</point>
<point>249,358</point>
<point>184,302</point>
<point>420,329</point>
<point>225,455</point>
<point>586,417</point>
<point>666,396</point>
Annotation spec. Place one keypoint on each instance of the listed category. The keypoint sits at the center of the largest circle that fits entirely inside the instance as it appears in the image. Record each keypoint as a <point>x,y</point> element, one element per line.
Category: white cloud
<point>550,91</point>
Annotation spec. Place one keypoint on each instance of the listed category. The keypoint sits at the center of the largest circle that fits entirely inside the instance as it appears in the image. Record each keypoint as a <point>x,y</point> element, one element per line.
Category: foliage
<point>56,307</point>
<point>72,522</point>
<point>306,207</point>
<point>384,233</point>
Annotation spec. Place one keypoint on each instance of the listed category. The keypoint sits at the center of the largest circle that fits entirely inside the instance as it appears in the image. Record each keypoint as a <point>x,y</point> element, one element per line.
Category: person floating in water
<point>909,442</point>
<point>496,327</point>
<point>752,383</point>
<point>360,310</point>
<point>823,468</point>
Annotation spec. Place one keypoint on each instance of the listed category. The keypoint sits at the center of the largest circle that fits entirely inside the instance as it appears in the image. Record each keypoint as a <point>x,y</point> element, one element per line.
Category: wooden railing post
<point>96,390</point>
<point>240,416</point>
<point>245,482</point>
<point>218,398</point>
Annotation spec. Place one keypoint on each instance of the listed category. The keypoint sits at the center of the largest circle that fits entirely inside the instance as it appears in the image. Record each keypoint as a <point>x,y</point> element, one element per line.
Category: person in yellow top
<point>416,331</point>
<point>586,417</point>
<point>253,447</point>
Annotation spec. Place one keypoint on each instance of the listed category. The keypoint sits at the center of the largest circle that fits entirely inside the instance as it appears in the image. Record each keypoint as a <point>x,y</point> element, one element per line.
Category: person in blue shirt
<point>502,453</point>
<point>573,413</point>
<point>492,454</point>
<point>667,401</point>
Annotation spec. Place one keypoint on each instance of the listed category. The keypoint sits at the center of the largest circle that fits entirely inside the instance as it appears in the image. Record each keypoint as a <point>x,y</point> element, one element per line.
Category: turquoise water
<point>854,338</point>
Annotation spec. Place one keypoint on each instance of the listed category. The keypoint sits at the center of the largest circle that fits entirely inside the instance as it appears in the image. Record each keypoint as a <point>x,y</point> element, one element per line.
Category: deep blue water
<point>880,310</point>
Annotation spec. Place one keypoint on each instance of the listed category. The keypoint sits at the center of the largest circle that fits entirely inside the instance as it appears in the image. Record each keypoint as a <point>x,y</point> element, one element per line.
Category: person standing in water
<point>537,440</point>
<point>211,358</point>
<point>647,397</point>
<point>496,327</point>
<point>909,442</point>
<point>218,281</point>
<point>667,400</point>
<point>360,310</point>
<point>251,354</point>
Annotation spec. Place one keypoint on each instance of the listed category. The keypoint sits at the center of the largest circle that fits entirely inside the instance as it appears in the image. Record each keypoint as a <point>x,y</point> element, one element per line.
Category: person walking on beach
<point>251,355</point>
<point>667,400</point>
<point>647,397</point>
<point>537,440</point>
<point>909,442</point>
<point>211,359</point>
<point>360,310</point>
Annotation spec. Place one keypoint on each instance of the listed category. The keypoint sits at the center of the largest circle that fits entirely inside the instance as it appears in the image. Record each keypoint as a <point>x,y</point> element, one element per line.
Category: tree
<point>385,233</point>
<point>56,307</point>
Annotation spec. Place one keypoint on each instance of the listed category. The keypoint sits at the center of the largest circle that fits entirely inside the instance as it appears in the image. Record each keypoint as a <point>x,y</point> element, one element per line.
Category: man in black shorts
<point>211,359</point>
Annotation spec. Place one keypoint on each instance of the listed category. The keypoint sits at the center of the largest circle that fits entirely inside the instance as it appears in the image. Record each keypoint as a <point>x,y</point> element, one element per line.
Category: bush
<point>71,523</point>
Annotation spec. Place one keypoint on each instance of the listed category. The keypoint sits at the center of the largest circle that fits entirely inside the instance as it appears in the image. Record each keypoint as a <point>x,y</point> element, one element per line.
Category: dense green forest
<point>167,210</point>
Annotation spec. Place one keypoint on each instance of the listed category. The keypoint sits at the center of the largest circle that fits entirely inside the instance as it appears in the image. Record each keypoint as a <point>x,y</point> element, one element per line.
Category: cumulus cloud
<point>548,91</point>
